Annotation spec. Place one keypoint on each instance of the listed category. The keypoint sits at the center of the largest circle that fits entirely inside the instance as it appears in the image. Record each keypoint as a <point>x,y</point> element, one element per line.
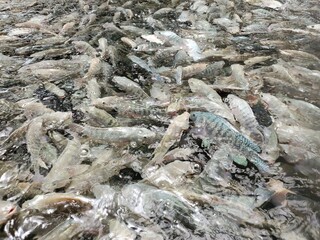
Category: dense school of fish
<point>159,119</point>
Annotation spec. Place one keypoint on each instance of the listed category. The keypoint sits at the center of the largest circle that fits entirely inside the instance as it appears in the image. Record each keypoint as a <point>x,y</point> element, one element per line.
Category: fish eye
<point>197,168</point>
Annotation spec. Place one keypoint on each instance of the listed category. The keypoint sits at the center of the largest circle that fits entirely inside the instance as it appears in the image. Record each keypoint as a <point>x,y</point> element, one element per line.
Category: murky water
<point>159,119</point>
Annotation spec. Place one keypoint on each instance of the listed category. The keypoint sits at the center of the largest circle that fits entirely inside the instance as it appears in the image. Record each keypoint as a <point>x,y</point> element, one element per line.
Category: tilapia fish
<point>115,134</point>
<point>218,127</point>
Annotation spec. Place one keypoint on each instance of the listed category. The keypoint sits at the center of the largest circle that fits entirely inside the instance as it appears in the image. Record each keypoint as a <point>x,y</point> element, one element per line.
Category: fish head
<point>56,119</point>
<point>106,103</point>
<point>7,209</point>
<point>194,116</point>
<point>145,135</point>
<point>195,84</point>
<point>65,118</point>
<point>229,98</point>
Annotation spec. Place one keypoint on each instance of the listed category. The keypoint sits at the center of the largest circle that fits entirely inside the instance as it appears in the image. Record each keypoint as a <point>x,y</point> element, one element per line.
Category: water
<point>162,182</point>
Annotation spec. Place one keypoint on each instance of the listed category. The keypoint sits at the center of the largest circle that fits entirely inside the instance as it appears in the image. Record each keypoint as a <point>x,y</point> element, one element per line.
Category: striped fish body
<point>245,116</point>
<point>221,128</point>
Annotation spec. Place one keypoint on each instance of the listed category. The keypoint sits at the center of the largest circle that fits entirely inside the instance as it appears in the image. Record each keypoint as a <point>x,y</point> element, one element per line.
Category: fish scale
<point>221,127</point>
<point>217,126</point>
<point>245,116</point>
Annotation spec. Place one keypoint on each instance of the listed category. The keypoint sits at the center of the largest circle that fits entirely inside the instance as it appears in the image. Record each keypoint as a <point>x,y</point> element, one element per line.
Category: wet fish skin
<point>69,157</point>
<point>200,87</point>
<point>51,53</point>
<point>8,109</point>
<point>93,89</point>
<point>299,137</point>
<point>58,140</point>
<point>64,231</point>
<point>131,108</point>
<point>7,210</point>
<point>143,64</point>
<point>148,202</point>
<point>173,174</point>
<point>52,120</point>
<point>195,103</point>
<point>262,166</point>
<point>53,200</point>
<point>54,89</point>
<point>34,137</point>
<point>116,135</point>
<point>108,164</point>
<point>86,48</point>
<point>221,126</point>
<point>56,120</point>
<point>172,135</point>
<point>218,127</point>
<point>94,68</point>
<point>98,117</point>
<point>35,109</point>
<point>130,87</point>
<point>245,116</point>
<point>212,70</point>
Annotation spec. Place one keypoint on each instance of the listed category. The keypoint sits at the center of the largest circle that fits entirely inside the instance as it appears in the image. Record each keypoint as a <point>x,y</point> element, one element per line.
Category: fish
<point>55,200</point>
<point>94,68</point>
<point>231,26</point>
<point>116,135</point>
<point>132,108</point>
<point>173,174</point>
<point>171,136</point>
<point>54,89</point>
<point>270,145</point>
<point>201,88</point>
<point>130,87</point>
<point>65,230</point>
<point>299,137</point>
<point>9,109</point>
<point>295,154</point>
<point>263,3</point>
<point>108,164</point>
<point>34,137</point>
<point>306,114</point>
<point>150,202</point>
<point>86,48</point>
<point>245,116</point>
<point>98,118</point>
<point>51,120</point>
<point>159,119</point>
<point>58,175</point>
<point>219,128</point>
<point>93,89</point>
<point>7,210</point>
<point>196,103</point>
<point>34,109</point>
<point>189,45</point>
<point>141,63</point>
<point>279,195</point>
<point>120,230</point>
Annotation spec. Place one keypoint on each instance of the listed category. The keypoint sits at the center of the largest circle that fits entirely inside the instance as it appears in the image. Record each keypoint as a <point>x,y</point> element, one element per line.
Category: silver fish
<point>130,86</point>
<point>171,136</point>
<point>116,135</point>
